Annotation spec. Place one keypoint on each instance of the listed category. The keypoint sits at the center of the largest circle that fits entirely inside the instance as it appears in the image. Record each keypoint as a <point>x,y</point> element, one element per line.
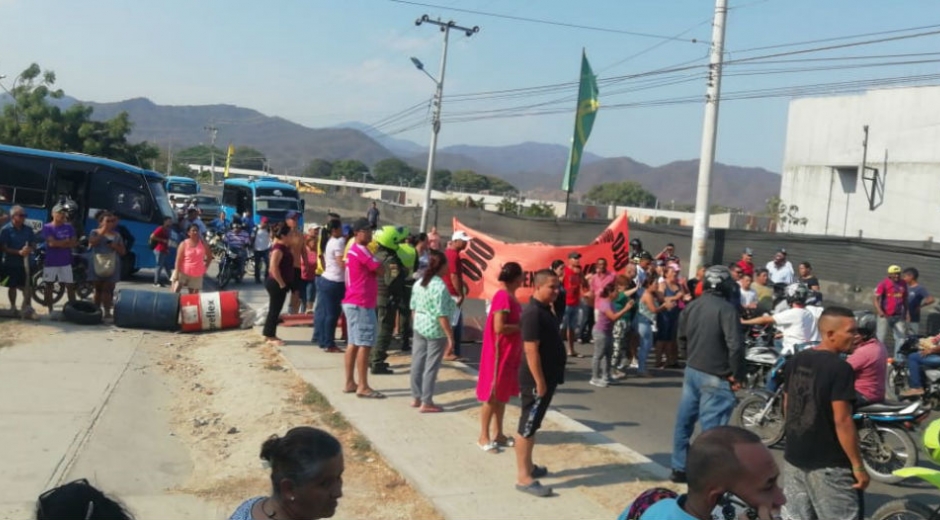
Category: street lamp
<point>438,96</point>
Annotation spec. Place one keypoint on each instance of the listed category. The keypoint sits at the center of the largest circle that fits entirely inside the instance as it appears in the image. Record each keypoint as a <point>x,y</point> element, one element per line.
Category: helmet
<point>932,440</point>
<point>894,269</point>
<point>867,322</point>
<point>636,244</point>
<point>390,236</point>
<point>797,293</point>
<point>718,279</point>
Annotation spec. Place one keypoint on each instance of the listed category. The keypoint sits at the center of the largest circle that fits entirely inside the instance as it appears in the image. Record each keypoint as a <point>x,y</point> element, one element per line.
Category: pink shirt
<point>599,281</point>
<point>870,361</point>
<point>194,259</point>
<point>893,297</point>
<point>362,285</point>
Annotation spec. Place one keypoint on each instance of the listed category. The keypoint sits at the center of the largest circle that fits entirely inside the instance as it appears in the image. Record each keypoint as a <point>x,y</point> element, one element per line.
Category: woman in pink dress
<point>500,358</point>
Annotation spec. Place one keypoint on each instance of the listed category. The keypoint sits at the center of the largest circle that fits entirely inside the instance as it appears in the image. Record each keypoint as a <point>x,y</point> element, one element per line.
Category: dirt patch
<point>609,477</point>
<point>12,331</point>
<point>232,392</point>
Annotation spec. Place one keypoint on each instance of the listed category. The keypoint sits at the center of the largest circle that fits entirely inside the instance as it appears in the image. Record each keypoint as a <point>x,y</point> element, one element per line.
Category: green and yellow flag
<point>583,122</point>
<point>228,158</point>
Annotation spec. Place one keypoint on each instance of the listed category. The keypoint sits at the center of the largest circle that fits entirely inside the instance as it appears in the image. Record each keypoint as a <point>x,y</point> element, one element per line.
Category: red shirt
<point>164,234</point>
<point>746,267</point>
<point>572,287</point>
<point>453,267</point>
<point>892,296</point>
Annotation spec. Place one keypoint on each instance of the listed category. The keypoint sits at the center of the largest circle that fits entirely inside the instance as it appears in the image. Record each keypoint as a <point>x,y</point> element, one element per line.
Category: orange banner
<point>485,256</point>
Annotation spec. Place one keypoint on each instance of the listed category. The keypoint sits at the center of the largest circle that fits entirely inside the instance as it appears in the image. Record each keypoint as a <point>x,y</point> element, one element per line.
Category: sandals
<point>535,489</point>
<point>371,395</point>
<point>431,409</point>
<point>492,447</point>
<point>277,342</point>
<point>505,442</point>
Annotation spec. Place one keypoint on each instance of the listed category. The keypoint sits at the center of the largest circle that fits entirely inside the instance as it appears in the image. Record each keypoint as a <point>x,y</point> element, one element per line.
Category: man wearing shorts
<point>60,238</point>
<point>542,370</point>
<point>362,294</point>
<point>16,242</point>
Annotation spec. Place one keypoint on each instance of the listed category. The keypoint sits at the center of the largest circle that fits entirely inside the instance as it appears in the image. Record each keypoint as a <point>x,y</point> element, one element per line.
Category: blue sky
<point>323,62</point>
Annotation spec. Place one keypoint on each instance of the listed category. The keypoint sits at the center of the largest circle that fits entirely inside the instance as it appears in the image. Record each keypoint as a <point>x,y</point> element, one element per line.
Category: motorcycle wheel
<point>225,276</point>
<point>770,428</point>
<point>39,290</point>
<point>84,290</point>
<point>885,450</point>
<point>904,509</point>
<point>897,380</point>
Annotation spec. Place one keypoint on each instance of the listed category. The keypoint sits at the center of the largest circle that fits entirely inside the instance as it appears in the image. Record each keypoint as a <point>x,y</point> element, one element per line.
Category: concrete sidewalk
<point>437,453</point>
<point>80,402</point>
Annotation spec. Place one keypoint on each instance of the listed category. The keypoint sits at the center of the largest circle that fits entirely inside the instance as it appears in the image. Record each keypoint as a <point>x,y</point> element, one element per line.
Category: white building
<point>896,195</point>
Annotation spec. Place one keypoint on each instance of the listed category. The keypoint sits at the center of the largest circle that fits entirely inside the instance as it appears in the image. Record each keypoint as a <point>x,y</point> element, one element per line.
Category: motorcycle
<point>83,287</point>
<point>907,508</point>
<point>231,266</point>
<point>899,373</point>
<point>883,429</point>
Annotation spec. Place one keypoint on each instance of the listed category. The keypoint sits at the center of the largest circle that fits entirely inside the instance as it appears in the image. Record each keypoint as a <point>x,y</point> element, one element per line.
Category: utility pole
<point>213,132</point>
<point>709,134</point>
<point>169,159</point>
<point>438,99</point>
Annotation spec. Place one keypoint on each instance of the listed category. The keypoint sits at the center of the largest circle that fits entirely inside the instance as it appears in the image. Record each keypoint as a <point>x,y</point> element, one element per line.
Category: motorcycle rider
<point>238,240</point>
<point>390,295</point>
<point>710,335</point>
<point>220,224</point>
<point>797,325</point>
<point>869,360</point>
<point>929,358</point>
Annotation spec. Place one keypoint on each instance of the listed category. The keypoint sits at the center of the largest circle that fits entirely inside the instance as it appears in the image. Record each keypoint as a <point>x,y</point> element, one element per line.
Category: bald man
<point>824,477</point>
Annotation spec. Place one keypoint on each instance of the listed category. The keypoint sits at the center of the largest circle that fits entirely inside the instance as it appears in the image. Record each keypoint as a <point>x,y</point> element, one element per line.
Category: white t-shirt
<point>797,326</point>
<point>262,240</point>
<point>332,255</point>
<point>817,312</point>
<point>748,298</point>
<point>782,274</point>
<point>640,278</point>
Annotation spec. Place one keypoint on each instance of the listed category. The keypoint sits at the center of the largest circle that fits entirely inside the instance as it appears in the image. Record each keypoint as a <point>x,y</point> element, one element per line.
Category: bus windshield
<point>181,188</point>
<point>275,192</point>
<point>159,194</point>
<point>263,204</point>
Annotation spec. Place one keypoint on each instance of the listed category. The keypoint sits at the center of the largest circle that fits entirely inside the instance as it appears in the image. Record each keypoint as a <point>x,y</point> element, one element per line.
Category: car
<point>208,205</point>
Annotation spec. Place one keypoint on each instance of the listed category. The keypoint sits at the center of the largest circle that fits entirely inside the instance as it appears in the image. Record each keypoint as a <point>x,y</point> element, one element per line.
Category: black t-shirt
<point>810,282</point>
<point>813,380</point>
<point>539,324</point>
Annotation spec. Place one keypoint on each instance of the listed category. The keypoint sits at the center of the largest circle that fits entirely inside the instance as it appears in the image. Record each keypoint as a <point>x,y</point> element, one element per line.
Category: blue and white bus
<point>38,179</point>
<point>181,189</point>
<point>262,197</point>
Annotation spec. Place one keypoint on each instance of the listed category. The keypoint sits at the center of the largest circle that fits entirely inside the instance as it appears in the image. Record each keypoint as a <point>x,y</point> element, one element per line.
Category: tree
<point>540,209</point>
<point>442,180</point>
<point>510,204</point>
<point>394,172</point>
<point>318,168</point>
<point>469,181</point>
<point>351,169</point>
<point>32,121</point>
<point>245,157</point>
<point>626,193</point>
<point>179,168</point>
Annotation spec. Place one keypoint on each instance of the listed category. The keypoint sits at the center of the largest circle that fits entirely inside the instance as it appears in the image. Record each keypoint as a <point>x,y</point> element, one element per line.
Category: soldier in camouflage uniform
<point>409,258</point>
<point>391,293</point>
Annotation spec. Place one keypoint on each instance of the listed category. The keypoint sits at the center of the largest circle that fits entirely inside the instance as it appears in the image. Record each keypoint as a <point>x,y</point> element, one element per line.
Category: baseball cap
<point>264,220</point>
<point>292,215</point>
<point>574,254</point>
<point>361,225</point>
<point>894,269</point>
<point>60,208</point>
<point>782,251</point>
<point>748,251</point>
<point>461,235</point>
<point>645,255</point>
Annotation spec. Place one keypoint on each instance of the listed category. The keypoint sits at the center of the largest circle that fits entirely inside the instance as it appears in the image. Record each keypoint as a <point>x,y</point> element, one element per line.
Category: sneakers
<point>600,383</point>
<point>381,370</point>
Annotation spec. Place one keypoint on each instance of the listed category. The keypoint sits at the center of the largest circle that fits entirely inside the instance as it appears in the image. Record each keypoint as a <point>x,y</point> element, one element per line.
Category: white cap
<point>461,235</point>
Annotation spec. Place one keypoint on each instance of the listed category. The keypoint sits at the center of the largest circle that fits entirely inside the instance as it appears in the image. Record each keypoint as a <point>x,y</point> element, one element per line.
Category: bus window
<point>238,197</point>
<point>122,193</point>
<point>24,180</point>
<point>160,196</point>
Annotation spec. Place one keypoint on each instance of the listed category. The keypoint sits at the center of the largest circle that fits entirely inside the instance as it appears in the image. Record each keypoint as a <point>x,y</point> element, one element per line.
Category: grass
<point>336,421</point>
<point>273,366</point>
<point>360,444</point>
<point>313,398</point>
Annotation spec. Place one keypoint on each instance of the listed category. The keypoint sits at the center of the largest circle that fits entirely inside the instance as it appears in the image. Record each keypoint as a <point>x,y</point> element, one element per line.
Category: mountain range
<point>532,167</point>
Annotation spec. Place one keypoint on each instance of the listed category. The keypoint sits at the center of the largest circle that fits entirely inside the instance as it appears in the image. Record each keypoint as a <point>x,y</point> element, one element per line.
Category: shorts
<point>61,274</point>
<point>360,325</point>
<point>15,276</point>
<point>534,409</point>
<point>298,282</point>
<point>189,282</point>
<point>571,318</point>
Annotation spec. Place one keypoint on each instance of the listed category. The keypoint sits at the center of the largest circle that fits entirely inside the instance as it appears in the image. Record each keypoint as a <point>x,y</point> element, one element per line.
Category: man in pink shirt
<point>869,360</point>
<point>890,301</point>
<point>362,294</point>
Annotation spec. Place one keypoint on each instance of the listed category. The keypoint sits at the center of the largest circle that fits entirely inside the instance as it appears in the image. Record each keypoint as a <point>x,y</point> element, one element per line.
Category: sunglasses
<point>44,498</point>
<point>20,215</point>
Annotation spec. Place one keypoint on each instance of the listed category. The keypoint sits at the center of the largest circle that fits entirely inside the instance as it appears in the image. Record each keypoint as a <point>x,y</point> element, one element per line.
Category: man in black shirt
<point>542,370</point>
<point>823,474</point>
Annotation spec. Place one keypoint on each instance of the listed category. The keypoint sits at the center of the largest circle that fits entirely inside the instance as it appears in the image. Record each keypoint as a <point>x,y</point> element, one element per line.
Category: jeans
<point>821,494</point>
<point>458,333</point>
<point>308,294</point>
<point>706,398</point>
<point>603,349</point>
<point>326,313</point>
<point>915,372</point>
<point>644,328</point>
<point>426,356</point>
<point>161,264</point>
<point>897,326</point>
<point>275,304</point>
<point>261,257</point>
<point>587,323</point>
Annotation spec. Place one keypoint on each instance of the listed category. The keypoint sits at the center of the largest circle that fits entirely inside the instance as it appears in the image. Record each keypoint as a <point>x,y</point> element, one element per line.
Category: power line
<point>547,22</point>
<point>834,38</point>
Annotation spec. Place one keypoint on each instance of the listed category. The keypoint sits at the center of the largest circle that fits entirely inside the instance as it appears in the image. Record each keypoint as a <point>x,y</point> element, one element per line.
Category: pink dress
<point>504,368</point>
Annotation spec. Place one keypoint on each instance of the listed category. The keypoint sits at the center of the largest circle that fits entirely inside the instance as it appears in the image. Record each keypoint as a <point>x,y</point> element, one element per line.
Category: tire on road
<point>82,313</point>
<point>880,457</point>
<point>904,509</point>
<point>772,430</point>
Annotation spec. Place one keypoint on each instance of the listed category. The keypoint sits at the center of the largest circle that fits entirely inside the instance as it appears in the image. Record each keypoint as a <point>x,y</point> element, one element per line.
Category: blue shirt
<point>238,239</point>
<point>13,238</point>
<point>915,297</point>
<point>221,226</point>
<point>198,223</point>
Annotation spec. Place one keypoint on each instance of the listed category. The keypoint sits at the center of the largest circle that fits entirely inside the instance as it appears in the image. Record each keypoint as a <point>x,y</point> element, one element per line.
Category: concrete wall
<point>824,151</point>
